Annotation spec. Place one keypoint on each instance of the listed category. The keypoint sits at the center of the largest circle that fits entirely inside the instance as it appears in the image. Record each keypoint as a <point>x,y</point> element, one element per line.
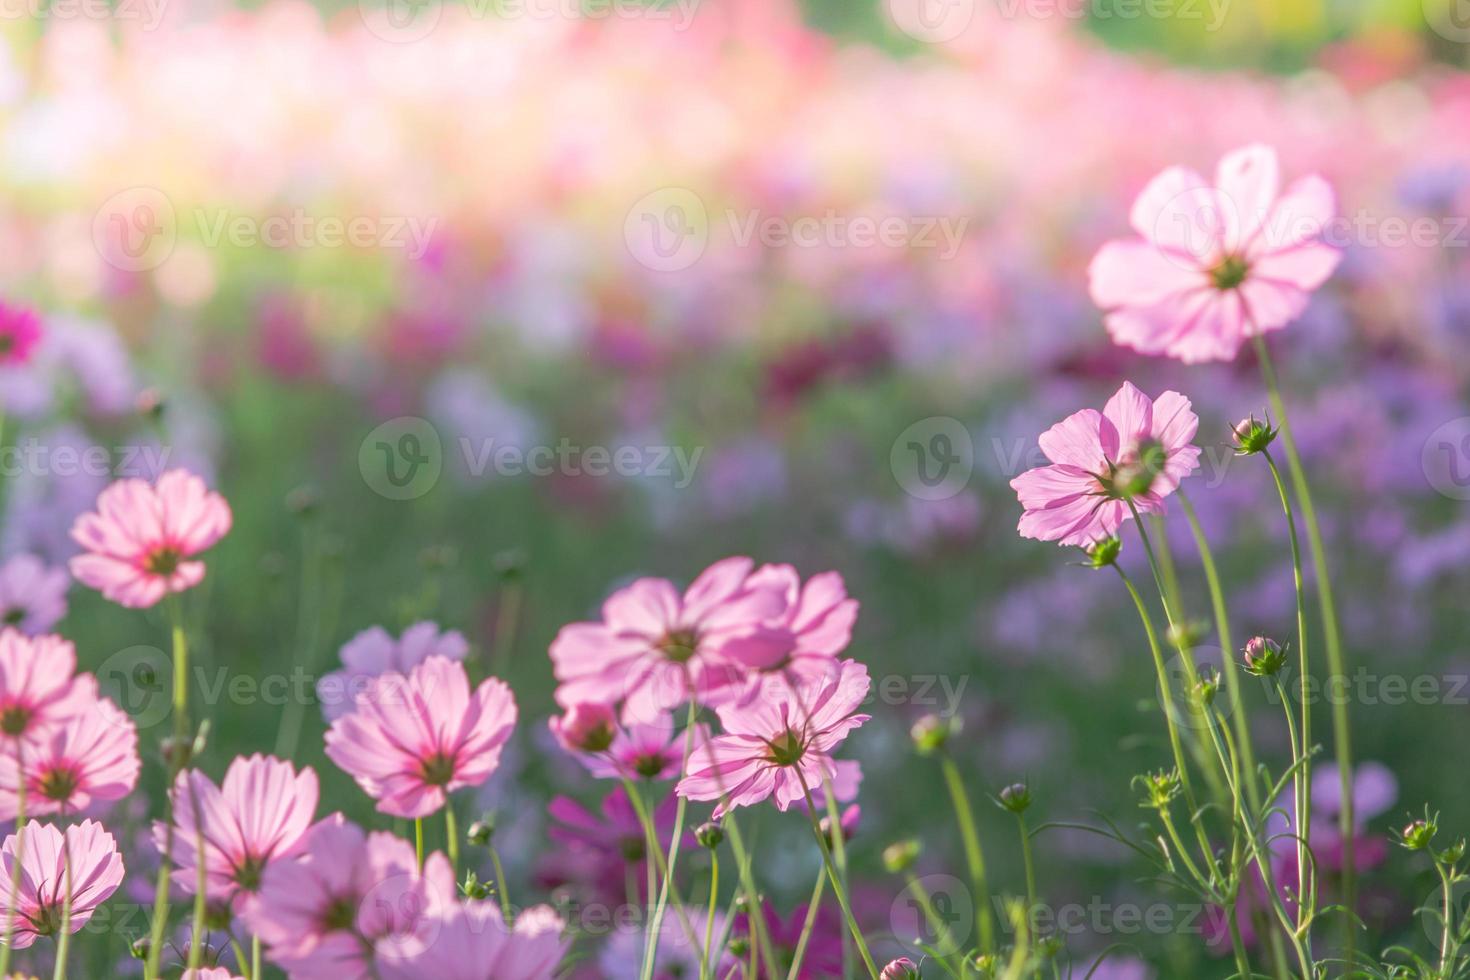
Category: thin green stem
<point>680,812</point>
<point>303,652</point>
<point>654,858</point>
<point>837,887</point>
<point>451,836</point>
<point>12,903</point>
<point>507,620</point>
<point>936,922</point>
<point>501,889</point>
<point>1336,661</point>
<point>818,887</point>
<point>1028,862</point>
<point>756,915</point>
<point>707,965</point>
<point>63,940</point>
<point>974,856</point>
<point>255,973</point>
<point>418,841</point>
<point>1449,949</point>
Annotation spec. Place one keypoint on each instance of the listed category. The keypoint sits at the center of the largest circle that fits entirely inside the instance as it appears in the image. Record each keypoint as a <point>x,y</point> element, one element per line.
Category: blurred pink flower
<point>678,957</point>
<point>37,689</point>
<point>210,973</point>
<point>32,594</point>
<point>259,815</point>
<point>91,757</point>
<point>656,649</point>
<point>780,746</point>
<point>410,741</point>
<point>473,942</point>
<point>374,651</point>
<point>96,869</point>
<point>320,913</point>
<point>20,331</point>
<point>138,543</point>
<point>1134,449</point>
<point>651,750</point>
<point>805,639</point>
<point>1215,264</point>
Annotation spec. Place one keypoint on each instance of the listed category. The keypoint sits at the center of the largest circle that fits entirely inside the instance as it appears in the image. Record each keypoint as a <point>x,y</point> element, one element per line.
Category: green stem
<point>818,887</point>
<point>974,857</point>
<point>1027,861</point>
<point>672,862</point>
<point>507,619</point>
<point>654,859</point>
<point>303,653</point>
<point>418,841</point>
<point>63,941</point>
<point>255,973</point>
<point>707,967</point>
<point>1336,662</point>
<point>500,885</point>
<point>755,914</point>
<point>196,942</point>
<point>451,836</point>
<point>1448,948</point>
<point>941,929</point>
<point>20,839</point>
<point>841,892</point>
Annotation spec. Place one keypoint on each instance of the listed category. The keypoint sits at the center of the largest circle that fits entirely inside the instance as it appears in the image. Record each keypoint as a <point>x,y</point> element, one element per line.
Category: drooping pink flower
<point>37,689</point>
<point>585,728</point>
<point>96,870</point>
<point>808,635</point>
<point>1215,264</point>
<point>32,594</point>
<point>636,749</point>
<point>1135,449</point>
<point>20,331</point>
<point>138,545</point>
<point>92,756</point>
<point>258,815</point>
<point>321,913</point>
<point>656,649</point>
<point>410,741</point>
<point>780,747</point>
<point>473,942</point>
<point>374,651</point>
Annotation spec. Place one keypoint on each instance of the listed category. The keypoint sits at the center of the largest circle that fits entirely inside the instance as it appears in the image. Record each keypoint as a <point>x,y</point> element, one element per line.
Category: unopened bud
<point>1101,554</point>
<point>585,728</point>
<point>709,835</point>
<point>1252,436</point>
<point>481,831</point>
<point>1417,835</point>
<point>900,856</point>
<point>931,732</point>
<point>1016,798</point>
<point>1264,657</point>
<point>902,968</point>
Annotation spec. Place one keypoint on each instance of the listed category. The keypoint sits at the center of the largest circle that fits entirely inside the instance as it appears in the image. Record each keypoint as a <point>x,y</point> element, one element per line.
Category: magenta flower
<point>778,747</point>
<point>1215,264</point>
<point>808,635</point>
<point>20,331</point>
<point>1134,450</point>
<point>585,728</point>
<point>614,833</point>
<point>37,689</point>
<point>138,544</point>
<point>373,652</point>
<point>210,973</point>
<point>91,757</point>
<point>321,913</point>
<point>411,741</point>
<point>656,649</point>
<point>473,942</point>
<point>259,815</point>
<point>96,869</point>
<point>652,750</point>
<point>32,594</point>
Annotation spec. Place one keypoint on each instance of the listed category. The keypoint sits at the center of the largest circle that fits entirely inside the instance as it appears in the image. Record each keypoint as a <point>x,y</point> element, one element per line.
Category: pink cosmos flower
<point>1135,449</point>
<point>656,649</point>
<point>807,636</point>
<point>259,815</point>
<point>32,594</point>
<point>411,741</point>
<point>91,757</point>
<point>1215,264</point>
<point>776,747</point>
<point>606,842</point>
<point>96,869</point>
<point>585,728</point>
<point>473,942</point>
<point>20,331</point>
<point>374,651</point>
<point>678,956</point>
<point>37,689</point>
<point>320,914</point>
<point>210,973</point>
<point>138,544</point>
<point>652,749</point>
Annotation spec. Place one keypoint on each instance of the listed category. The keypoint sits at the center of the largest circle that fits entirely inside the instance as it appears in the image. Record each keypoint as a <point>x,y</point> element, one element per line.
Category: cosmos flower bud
<point>1453,853</point>
<point>481,831</point>
<point>140,948</point>
<point>931,732</point>
<point>1253,436</point>
<point>1016,798</point>
<point>1206,687</point>
<point>473,887</point>
<point>709,835</point>
<point>1418,834</point>
<point>902,968</point>
<point>150,404</point>
<point>848,821</point>
<point>739,947</point>
<point>586,728</point>
<point>1160,788</point>
<point>900,856</point>
<point>1263,657</point>
<point>1101,554</point>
